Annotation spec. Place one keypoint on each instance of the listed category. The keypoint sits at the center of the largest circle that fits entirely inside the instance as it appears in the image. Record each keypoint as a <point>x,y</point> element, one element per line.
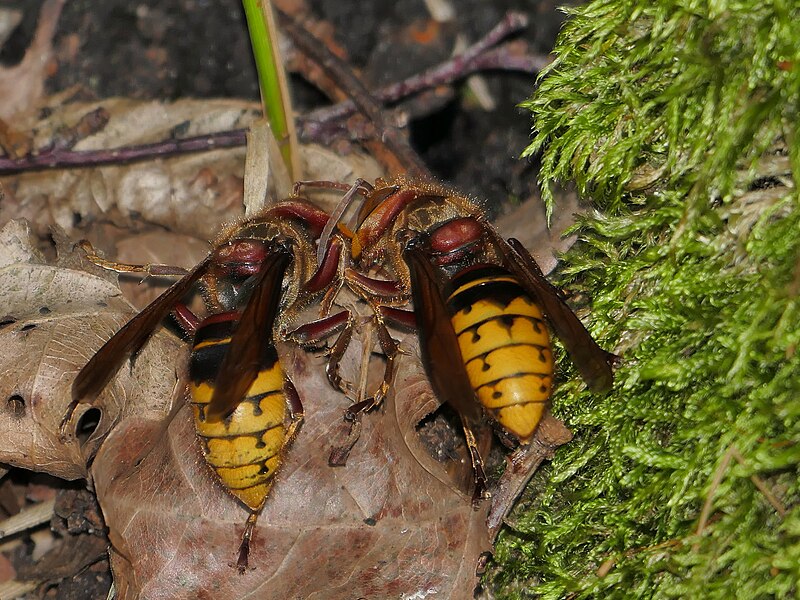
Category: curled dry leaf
<point>527,222</point>
<point>22,86</point>
<point>53,319</point>
<point>390,524</point>
<point>190,193</point>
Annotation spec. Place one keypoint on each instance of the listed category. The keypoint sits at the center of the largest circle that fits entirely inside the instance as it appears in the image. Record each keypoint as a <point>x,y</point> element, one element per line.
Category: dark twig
<point>390,136</point>
<point>550,434</point>
<point>357,128</point>
<point>325,124</point>
<point>94,158</point>
<point>458,67</point>
<point>322,125</point>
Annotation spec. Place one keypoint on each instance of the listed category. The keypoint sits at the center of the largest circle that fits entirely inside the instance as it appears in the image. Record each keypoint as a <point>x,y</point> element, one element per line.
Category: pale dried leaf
<point>17,244</point>
<point>405,526</point>
<point>54,319</point>
<point>22,86</point>
<point>190,194</point>
<point>320,163</point>
<point>16,589</point>
<point>265,178</point>
<point>528,223</point>
<point>258,168</point>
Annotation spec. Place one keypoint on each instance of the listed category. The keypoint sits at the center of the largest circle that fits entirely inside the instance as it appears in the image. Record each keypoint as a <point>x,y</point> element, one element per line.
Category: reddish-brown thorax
<point>452,240</point>
<point>240,258</point>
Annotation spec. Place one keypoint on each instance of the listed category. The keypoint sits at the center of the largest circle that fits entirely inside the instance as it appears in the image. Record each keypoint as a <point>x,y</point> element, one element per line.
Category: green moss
<point>679,90</point>
<point>680,121</point>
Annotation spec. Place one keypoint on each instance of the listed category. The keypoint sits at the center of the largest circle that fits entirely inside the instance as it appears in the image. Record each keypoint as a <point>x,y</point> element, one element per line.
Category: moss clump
<point>680,120</point>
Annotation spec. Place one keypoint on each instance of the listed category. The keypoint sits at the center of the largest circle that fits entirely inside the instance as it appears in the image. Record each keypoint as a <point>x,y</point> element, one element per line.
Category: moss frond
<point>681,89</point>
<point>683,481</point>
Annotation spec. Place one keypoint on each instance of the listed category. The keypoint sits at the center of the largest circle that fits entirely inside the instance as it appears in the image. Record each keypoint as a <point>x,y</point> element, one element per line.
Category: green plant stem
<point>272,80</point>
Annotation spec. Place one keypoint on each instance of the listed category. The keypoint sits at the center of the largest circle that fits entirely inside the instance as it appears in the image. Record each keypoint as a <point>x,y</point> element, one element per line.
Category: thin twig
<point>719,474</point>
<point>389,136</point>
<point>715,483</point>
<point>94,158</point>
<point>762,487</point>
<point>325,125</point>
<point>451,70</point>
<point>16,589</point>
<point>32,516</point>
<point>322,125</point>
<point>611,562</point>
<point>550,434</point>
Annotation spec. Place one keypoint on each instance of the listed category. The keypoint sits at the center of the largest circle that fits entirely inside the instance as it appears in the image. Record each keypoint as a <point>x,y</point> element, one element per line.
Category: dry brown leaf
<point>159,247</point>
<point>53,320</point>
<point>389,524</point>
<point>191,194</point>
<point>528,223</point>
<point>22,86</point>
<point>392,523</point>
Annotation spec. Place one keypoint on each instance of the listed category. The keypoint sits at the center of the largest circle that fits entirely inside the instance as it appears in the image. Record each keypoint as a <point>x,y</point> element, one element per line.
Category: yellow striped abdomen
<point>245,449</point>
<point>505,347</point>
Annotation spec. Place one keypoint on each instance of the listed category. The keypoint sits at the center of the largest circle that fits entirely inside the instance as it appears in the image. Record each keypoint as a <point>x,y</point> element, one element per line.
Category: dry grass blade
<point>17,589</point>
<point>27,519</point>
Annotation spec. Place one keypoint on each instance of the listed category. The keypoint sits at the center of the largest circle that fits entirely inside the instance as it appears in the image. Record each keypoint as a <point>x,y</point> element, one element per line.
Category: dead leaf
<point>191,194</point>
<point>389,524</point>
<point>405,526</point>
<point>53,320</point>
<point>159,247</point>
<point>22,86</point>
<point>528,223</point>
